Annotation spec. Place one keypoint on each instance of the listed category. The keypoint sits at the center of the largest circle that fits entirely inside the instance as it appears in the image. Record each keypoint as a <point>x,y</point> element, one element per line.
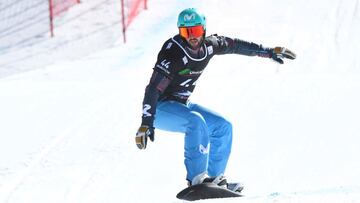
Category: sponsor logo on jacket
<point>188,71</point>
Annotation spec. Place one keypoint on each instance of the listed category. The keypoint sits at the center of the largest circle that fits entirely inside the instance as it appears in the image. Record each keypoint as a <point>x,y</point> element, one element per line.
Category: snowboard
<point>206,191</point>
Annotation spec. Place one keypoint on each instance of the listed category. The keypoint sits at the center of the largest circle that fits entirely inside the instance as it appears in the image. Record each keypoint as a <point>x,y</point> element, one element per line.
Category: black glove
<point>278,53</point>
<point>142,135</point>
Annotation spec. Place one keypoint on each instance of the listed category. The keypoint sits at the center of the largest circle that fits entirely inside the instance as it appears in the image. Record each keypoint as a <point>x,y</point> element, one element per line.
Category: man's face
<point>194,42</point>
<point>193,35</point>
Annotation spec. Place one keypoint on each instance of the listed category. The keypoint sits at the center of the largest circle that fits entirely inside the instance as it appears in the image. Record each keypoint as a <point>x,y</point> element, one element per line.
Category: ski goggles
<point>195,31</point>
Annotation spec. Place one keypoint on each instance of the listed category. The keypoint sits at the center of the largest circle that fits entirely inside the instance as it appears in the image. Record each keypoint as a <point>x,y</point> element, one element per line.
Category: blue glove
<point>142,135</point>
<point>278,53</point>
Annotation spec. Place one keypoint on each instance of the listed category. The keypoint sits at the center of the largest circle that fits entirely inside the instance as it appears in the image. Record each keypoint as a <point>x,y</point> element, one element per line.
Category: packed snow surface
<point>70,105</point>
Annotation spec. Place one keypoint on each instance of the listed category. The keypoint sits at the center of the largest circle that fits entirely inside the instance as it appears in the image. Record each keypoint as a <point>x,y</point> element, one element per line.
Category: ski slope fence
<point>129,10</point>
<point>28,20</point>
<point>56,7</point>
<point>31,21</point>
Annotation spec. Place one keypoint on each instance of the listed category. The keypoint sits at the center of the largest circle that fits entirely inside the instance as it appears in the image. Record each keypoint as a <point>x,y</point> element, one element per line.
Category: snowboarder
<point>166,105</point>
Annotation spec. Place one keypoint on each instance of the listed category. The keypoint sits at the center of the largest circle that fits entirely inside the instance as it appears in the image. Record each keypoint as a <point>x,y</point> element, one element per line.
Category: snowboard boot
<point>236,187</point>
<point>222,182</point>
<point>218,180</point>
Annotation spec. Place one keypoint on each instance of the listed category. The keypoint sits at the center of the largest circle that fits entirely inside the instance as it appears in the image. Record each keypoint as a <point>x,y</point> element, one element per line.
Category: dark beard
<point>196,52</point>
<point>197,47</point>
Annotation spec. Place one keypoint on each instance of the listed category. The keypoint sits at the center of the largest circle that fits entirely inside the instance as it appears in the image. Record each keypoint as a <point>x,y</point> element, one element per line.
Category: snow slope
<point>67,125</point>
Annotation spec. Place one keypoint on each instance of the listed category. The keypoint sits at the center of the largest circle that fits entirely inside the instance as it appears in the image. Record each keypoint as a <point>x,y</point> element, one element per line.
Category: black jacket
<point>177,69</point>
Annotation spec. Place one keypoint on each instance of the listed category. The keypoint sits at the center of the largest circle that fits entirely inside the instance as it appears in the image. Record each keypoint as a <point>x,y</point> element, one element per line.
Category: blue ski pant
<point>208,136</point>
